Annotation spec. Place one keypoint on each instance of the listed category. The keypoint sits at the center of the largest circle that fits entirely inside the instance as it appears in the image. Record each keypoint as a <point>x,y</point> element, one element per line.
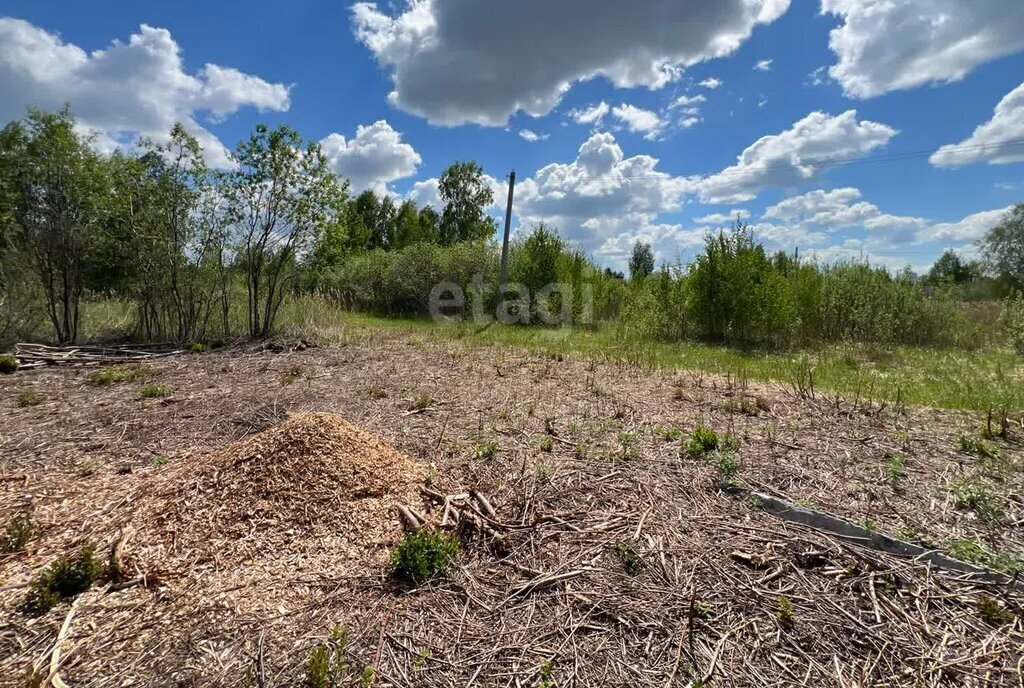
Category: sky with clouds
<point>888,129</point>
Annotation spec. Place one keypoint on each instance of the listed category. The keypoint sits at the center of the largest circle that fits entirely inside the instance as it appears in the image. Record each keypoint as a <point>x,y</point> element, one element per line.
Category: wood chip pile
<point>313,475</point>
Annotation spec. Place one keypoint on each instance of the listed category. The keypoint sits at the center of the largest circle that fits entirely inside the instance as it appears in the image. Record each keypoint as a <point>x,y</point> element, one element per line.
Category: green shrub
<point>197,347</point>
<point>17,534</point>
<point>423,556</point>
<point>703,441</point>
<point>727,464</point>
<point>8,363</point>
<point>155,391</point>
<point>326,666</point>
<point>68,576</point>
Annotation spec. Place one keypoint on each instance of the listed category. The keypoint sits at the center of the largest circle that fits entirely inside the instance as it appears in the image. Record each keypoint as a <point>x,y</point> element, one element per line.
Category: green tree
<point>466,194</point>
<point>1003,246</point>
<point>53,202</point>
<point>282,192</point>
<point>535,265</point>
<point>164,209</point>
<point>429,225</point>
<point>950,268</point>
<point>641,261</point>
<point>407,225</point>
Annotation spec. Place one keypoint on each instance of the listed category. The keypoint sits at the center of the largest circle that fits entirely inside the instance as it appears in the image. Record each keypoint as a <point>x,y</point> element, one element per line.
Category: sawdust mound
<point>313,478</point>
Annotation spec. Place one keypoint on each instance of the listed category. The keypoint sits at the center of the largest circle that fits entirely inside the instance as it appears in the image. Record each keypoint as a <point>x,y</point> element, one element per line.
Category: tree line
<point>195,251</point>
<point>157,226</point>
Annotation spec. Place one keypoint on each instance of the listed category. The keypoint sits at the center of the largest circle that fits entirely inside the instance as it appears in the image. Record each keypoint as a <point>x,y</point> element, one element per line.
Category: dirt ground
<point>616,559</point>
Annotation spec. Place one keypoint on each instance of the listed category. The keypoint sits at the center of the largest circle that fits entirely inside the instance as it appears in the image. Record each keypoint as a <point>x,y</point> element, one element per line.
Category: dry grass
<point>545,592</point>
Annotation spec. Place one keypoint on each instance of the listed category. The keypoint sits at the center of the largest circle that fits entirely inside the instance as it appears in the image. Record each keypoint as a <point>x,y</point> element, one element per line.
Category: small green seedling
<point>631,560</point>
<point>19,531</point>
<point>727,464</point>
<point>197,347</point>
<point>421,402</point>
<point>895,466</point>
<point>978,447</point>
<point>486,450</point>
<point>8,363</point>
<point>326,666</point>
<point>784,613</point>
<point>546,443</point>
<point>291,375</point>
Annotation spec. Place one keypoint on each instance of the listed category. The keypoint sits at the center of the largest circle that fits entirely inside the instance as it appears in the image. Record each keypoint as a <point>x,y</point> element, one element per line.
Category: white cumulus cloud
<point>599,195</point>
<point>795,156</point>
<point>592,114</point>
<point>639,121</point>
<point>888,45</point>
<point>449,63</point>
<point>998,141</point>
<point>532,136</point>
<point>969,229</point>
<point>711,83</point>
<point>375,156</point>
<point>763,65</point>
<point>127,90</point>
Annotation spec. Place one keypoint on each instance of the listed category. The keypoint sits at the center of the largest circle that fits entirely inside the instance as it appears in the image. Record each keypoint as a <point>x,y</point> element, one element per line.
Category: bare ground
<point>588,472</point>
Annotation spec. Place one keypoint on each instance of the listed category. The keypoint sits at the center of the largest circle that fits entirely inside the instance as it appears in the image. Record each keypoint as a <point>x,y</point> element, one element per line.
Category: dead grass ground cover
<point>618,561</point>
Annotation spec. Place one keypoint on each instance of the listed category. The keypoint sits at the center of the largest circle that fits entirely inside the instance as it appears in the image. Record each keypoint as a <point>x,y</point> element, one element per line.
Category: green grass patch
<point>29,398</point>
<point>8,363</point>
<point>943,378</point>
<point>155,391</point>
<point>971,552</point>
<point>109,375</point>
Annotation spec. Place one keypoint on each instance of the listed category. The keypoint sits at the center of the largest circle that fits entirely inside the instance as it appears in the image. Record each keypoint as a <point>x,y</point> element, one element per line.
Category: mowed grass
<point>943,378</point>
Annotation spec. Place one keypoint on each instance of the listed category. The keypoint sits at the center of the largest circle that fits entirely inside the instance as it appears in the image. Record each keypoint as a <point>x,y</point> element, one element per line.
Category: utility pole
<point>504,246</point>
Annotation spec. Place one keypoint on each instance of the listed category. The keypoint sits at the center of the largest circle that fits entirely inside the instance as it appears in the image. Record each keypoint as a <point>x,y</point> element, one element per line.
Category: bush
<point>737,294</point>
<point>8,363</point>
<point>19,531</point>
<point>68,576</point>
<point>423,556</point>
<point>703,441</point>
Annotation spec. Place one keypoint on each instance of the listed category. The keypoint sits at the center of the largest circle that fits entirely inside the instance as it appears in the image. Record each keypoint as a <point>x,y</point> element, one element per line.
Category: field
<point>617,554</point>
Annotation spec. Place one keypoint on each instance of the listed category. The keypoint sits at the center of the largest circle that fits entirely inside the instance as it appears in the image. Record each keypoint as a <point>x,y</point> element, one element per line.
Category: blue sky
<point>638,111</point>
